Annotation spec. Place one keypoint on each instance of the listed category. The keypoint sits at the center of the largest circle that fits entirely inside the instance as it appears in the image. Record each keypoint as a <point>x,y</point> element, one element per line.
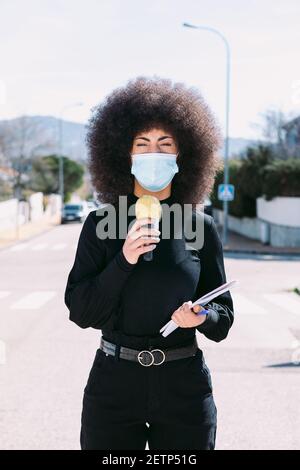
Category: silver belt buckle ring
<point>163,357</point>
<point>152,356</point>
<point>139,358</point>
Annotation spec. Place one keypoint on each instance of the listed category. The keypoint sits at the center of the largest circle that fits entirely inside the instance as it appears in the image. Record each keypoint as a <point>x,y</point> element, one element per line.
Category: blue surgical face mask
<point>154,171</point>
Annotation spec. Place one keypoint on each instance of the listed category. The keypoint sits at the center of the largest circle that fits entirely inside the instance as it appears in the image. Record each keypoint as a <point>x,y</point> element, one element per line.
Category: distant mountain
<point>238,146</point>
<point>39,135</point>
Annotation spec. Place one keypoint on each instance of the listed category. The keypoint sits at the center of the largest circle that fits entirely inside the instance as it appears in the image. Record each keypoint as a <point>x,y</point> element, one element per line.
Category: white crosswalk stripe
<point>34,300</point>
<point>19,247</point>
<point>43,246</point>
<point>4,293</point>
<point>242,305</point>
<point>39,246</point>
<point>59,246</point>
<point>284,301</point>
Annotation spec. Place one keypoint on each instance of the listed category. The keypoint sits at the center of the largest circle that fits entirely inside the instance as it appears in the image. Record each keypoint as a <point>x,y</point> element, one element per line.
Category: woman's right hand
<point>135,245</point>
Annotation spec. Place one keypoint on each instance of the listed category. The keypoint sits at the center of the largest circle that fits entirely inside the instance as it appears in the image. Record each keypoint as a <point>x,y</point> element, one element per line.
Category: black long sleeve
<point>93,288</point>
<point>131,302</point>
<point>220,317</point>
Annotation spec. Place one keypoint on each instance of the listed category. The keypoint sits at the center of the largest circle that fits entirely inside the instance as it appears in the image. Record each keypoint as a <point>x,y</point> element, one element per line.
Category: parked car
<point>74,211</point>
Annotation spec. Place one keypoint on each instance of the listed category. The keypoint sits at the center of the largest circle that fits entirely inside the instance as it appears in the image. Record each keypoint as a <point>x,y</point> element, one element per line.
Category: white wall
<point>36,206</point>
<point>8,213</point>
<point>279,210</point>
<point>274,234</point>
<point>27,211</point>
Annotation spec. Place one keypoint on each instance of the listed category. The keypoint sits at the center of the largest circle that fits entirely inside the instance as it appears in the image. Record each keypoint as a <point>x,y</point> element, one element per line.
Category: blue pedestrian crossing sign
<point>226,192</point>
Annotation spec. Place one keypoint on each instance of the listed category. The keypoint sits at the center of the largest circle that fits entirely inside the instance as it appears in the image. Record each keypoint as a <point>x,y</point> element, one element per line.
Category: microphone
<point>148,206</point>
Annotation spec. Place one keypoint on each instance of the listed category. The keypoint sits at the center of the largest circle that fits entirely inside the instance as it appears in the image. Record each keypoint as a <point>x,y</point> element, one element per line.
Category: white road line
<point>59,246</point>
<point>42,246</point>
<point>19,247</point>
<point>244,306</point>
<point>39,247</point>
<point>4,293</point>
<point>34,300</point>
<point>285,301</point>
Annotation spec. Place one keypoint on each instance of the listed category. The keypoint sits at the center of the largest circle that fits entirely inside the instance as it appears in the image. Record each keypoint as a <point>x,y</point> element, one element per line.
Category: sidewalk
<point>26,231</point>
<point>237,243</point>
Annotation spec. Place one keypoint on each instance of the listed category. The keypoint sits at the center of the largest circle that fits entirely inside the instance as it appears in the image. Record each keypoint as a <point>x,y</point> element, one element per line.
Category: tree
<point>273,132</point>
<point>251,173</point>
<point>45,172</point>
<point>19,145</point>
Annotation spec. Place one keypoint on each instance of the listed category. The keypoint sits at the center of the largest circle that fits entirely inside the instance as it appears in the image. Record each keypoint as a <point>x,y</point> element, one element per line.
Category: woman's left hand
<point>185,317</point>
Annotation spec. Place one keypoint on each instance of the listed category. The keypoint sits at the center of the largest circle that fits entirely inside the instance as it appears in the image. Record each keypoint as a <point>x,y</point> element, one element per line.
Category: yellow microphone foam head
<point>148,206</point>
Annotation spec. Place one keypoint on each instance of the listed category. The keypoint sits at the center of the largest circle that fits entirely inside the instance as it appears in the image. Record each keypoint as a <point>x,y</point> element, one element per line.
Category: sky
<point>62,57</point>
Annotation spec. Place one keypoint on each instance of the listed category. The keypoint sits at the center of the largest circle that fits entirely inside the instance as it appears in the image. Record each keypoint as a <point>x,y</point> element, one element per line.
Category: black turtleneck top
<point>131,302</point>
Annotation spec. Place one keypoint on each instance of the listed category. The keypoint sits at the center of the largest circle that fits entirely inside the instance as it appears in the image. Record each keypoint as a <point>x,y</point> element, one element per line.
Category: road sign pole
<point>226,155</point>
<point>226,171</point>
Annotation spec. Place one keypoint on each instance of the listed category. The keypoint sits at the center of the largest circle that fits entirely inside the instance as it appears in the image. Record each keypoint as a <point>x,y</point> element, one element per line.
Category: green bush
<point>258,174</point>
<point>282,178</point>
<point>251,173</point>
<point>45,175</point>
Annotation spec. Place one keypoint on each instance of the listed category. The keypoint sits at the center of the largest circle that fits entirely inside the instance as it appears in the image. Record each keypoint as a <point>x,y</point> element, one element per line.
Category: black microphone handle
<point>149,255</point>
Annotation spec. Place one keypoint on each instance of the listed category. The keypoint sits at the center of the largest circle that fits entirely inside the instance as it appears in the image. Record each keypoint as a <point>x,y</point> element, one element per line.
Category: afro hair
<point>142,104</point>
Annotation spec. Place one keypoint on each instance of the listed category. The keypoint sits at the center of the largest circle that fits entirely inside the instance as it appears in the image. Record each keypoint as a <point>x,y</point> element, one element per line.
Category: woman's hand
<point>186,318</point>
<point>135,245</point>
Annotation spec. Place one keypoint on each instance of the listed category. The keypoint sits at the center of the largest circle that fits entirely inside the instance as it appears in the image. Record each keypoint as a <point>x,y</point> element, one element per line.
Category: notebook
<point>171,325</point>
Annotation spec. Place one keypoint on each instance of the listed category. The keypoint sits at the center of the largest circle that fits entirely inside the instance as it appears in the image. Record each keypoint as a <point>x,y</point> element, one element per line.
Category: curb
<point>262,252</point>
<point>254,254</point>
<point>31,237</point>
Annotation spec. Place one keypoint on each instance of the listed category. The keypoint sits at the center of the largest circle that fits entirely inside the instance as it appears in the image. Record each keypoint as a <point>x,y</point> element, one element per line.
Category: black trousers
<point>170,405</point>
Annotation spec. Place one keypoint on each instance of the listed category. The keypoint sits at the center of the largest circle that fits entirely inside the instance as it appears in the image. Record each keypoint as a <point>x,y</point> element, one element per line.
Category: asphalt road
<point>45,358</point>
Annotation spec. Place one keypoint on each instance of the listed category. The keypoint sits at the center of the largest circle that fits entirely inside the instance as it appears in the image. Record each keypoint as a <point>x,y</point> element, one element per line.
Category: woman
<point>153,138</point>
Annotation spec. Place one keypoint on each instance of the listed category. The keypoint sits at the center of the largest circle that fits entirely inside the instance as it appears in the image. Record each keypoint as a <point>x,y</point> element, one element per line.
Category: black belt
<point>154,356</point>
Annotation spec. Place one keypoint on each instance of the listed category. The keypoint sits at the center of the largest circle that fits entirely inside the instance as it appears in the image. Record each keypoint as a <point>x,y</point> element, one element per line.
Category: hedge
<point>259,174</point>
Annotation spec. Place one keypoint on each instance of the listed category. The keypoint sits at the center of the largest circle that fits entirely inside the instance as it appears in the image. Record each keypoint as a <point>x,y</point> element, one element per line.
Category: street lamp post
<point>60,144</point>
<point>226,153</point>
